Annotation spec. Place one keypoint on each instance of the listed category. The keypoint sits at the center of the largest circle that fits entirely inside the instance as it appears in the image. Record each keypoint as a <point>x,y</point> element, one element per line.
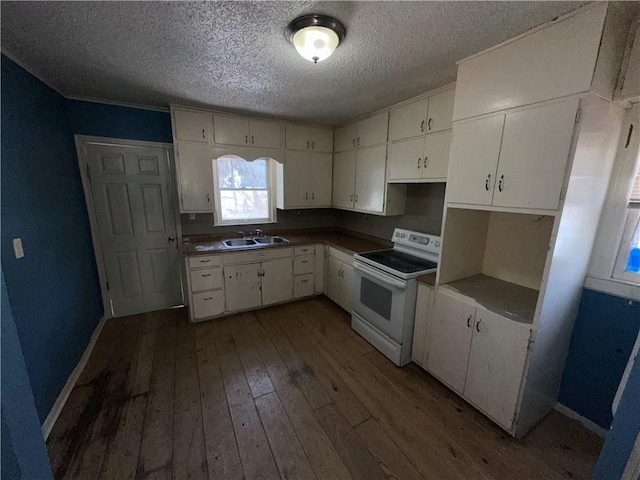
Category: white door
<point>265,134</point>
<point>320,177</point>
<point>436,155</point>
<point>334,280</point>
<point>133,194</point>
<point>370,178</point>
<point>277,281</point>
<point>321,139</point>
<point>192,126</point>
<point>409,120</point>
<point>345,137</point>
<point>534,155</point>
<point>344,178</point>
<point>474,160</point>
<point>242,287</point>
<point>406,159</point>
<point>196,177</point>
<point>373,130</point>
<point>297,137</point>
<point>418,353</point>
<point>453,322</point>
<point>440,112</point>
<point>496,365</point>
<point>228,130</point>
<point>296,179</point>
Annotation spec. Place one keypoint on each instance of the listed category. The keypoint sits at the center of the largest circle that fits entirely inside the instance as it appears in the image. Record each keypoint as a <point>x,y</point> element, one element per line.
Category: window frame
<point>271,194</point>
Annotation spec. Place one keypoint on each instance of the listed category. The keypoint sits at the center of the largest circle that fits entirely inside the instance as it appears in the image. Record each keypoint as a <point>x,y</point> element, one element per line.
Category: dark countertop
<point>428,279</point>
<point>350,242</point>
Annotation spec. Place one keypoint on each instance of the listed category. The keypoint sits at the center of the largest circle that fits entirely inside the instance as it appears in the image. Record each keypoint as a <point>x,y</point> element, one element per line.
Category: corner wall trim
<point>51,419</point>
<point>588,424</point>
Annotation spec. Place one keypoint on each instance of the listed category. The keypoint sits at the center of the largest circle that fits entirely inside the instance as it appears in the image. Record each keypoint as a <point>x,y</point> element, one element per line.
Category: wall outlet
<point>17,247</point>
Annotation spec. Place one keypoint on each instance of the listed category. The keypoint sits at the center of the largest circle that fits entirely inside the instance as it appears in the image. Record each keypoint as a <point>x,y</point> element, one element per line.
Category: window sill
<point>612,286</point>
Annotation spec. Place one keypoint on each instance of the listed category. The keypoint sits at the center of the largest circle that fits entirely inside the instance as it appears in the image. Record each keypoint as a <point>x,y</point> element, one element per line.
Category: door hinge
<point>578,115</point>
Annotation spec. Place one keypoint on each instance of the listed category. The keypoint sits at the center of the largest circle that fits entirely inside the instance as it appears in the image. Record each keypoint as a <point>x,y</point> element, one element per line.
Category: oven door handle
<point>379,276</point>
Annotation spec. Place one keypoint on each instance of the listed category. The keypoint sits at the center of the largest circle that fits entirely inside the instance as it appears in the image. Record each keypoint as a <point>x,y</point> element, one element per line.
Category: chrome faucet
<point>241,233</point>
<point>259,232</point>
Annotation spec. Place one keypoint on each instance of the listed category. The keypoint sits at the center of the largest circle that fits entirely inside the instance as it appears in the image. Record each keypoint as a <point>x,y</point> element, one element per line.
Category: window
<point>243,191</point>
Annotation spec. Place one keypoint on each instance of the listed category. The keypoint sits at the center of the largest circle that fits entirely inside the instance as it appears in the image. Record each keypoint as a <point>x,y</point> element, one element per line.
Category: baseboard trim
<point>51,419</point>
<point>588,424</point>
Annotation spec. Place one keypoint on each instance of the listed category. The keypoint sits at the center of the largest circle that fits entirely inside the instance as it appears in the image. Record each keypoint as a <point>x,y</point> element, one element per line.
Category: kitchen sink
<point>239,242</point>
<point>270,240</point>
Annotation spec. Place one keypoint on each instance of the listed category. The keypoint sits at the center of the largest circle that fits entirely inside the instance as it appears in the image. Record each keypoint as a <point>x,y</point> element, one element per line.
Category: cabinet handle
<point>313,195</point>
<point>426,159</point>
<point>246,139</point>
<point>501,182</point>
<point>307,143</point>
<point>252,141</point>
<point>356,198</point>
<point>419,160</point>
<point>422,126</point>
<point>478,325</point>
<point>354,142</point>
<point>313,145</point>
<point>304,261</point>
<point>358,142</point>
<point>205,261</point>
<point>429,124</point>
<point>469,321</point>
<point>207,299</point>
<point>206,275</point>
<point>306,195</point>
<point>304,281</point>
<point>203,134</point>
<point>351,198</point>
<point>486,182</point>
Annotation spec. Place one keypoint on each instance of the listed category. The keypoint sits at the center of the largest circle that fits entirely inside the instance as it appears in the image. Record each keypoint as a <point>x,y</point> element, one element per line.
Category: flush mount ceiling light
<point>315,36</point>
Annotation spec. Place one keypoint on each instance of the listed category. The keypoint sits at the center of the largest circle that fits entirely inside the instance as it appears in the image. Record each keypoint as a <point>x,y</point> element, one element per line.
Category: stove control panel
<point>422,241</point>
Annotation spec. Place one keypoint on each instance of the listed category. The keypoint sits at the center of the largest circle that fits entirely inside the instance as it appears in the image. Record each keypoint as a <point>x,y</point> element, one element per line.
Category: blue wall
<point>23,451</point>
<point>102,120</point>
<point>54,289</point>
<point>602,340</point>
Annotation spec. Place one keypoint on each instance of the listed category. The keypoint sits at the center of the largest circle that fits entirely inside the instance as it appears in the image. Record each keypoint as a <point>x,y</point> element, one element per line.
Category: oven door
<point>380,298</point>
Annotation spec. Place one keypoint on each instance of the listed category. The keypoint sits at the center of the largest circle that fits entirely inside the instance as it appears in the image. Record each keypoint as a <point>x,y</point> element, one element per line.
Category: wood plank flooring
<point>285,392</point>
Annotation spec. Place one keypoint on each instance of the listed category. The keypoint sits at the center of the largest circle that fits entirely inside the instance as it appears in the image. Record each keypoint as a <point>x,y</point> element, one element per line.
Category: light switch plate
<point>17,247</point>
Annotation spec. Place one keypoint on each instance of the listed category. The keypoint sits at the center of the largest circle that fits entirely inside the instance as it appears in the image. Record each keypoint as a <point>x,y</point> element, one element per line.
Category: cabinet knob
<point>469,321</point>
<point>171,239</point>
<point>356,198</point>
<point>422,126</point>
<point>419,160</point>
<point>501,183</point>
<point>478,325</point>
<point>354,142</point>
<point>426,159</point>
<point>486,182</point>
<point>429,124</point>
<point>252,141</point>
<point>203,134</point>
<point>351,198</point>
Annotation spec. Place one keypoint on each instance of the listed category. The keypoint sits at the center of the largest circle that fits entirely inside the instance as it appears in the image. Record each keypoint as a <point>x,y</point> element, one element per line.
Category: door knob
<point>171,239</point>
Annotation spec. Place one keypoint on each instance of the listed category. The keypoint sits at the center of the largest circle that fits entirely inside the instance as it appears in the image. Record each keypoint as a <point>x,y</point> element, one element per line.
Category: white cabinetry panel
<point>196,177</point>
<point>277,281</point>
<point>370,178</point>
<point>229,130</point>
<point>436,155</point>
<point>409,120</point>
<point>207,304</point>
<point>344,178</point>
<point>265,134</point>
<point>373,130</point>
<point>242,287</point>
<point>192,126</point>
<point>345,137</point>
<point>440,112</point>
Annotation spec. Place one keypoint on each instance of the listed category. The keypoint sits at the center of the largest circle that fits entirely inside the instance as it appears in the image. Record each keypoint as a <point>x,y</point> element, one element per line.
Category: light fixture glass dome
<point>315,37</point>
<point>315,43</point>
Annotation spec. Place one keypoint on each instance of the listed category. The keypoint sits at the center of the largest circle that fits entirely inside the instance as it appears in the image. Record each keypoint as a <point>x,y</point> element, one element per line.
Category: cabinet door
<point>320,176</point>
<point>265,134</point>
<point>334,280</point>
<point>418,350</point>
<point>373,130</point>
<point>206,279</point>
<point>321,139</point>
<point>440,112</point>
<point>344,179</point>
<point>297,137</point>
<point>196,177</point>
<point>277,281</point>
<point>303,285</point>
<point>453,322</point>
<point>436,155</point>
<point>296,179</point>
<point>345,137</point>
<point>409,121</point>
<point>207,304</point>
<point>347,287</point>
<point>496,365</point>
<point>230,130</point>
<point>370,178</point>
<point>533,156</point>
<point>192,126</point>
<point>474,160</point>
<point>242,287</point>
<point>406,159</point>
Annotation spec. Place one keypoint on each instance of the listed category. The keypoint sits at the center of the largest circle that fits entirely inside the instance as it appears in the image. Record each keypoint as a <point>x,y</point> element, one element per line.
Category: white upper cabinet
<point>195,177</point>
<point>231,130</point>
<point>370,178</point>
<point>440,112</point>
<point>409,120</point>
<point>516,160</point>
<point>551,62</point>
<point>373,130</point>
<point>192,126</point>
<point>320,175</point>
<point>422,158</point>
<point>307,179</point>
<point>345,137</point>
<point>344,179</point>
<point>304,137</point>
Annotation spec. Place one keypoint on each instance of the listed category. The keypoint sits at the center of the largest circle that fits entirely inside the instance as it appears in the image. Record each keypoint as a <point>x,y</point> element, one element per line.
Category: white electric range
<point>386,289</point>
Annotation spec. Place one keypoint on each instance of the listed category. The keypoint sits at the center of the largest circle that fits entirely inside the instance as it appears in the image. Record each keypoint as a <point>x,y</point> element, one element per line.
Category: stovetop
<point>400,262</point>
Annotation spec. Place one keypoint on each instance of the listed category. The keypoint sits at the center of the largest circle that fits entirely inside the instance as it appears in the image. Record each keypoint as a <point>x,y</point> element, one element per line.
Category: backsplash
<point>423,213</point>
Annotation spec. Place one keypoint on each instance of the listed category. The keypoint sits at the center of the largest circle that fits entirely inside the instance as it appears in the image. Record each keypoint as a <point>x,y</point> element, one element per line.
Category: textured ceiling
<point>234,56</point>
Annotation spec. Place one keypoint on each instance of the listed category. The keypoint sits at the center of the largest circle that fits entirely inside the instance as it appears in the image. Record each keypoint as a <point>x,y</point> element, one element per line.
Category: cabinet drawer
<point>207,304</point>
<point>206,279</point>
<point>303,286</point>
<point>304,264</point>
<point>341,255</point>
<point>202,261</point>
<point>256,255</point>
<point>306,250</point>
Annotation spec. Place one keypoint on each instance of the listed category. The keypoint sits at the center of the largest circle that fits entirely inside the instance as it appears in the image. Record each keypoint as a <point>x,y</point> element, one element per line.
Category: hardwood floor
<point>285,392</point>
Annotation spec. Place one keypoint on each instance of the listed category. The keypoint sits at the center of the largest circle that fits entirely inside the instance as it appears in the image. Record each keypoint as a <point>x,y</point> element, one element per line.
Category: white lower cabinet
<point>205,282</point>
<point>303,285</point>
<point>340,278</point>
<point>304,270</point>
<point>277,281</point>
<point>479,354</point>
<point>207,304</point>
